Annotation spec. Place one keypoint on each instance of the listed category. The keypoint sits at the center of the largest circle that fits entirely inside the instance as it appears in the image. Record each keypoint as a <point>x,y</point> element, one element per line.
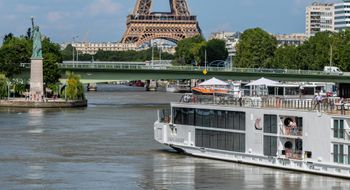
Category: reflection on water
<point>171,171</point>
<point>110,145</point>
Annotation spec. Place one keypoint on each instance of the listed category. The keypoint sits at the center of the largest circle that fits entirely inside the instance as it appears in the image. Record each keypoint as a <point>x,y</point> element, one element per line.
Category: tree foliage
<point>255,49</point>
<point>286,57</point>
<point>52,55</point>
<point>16,50</point>
<point>193,49</point>
<point>74,88</point>
<point>3,86</point>
<point>323,49</point>
<point>13,52</point>
<point>188,50</point>
<point>216,50</point>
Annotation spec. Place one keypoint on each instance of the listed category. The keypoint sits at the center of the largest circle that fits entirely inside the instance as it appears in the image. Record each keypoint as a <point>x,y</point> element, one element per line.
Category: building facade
<point>92,48</point>
<point>290,39</point>
<point>342,15</point>
<point>319,18</point>
<point>231,39</point>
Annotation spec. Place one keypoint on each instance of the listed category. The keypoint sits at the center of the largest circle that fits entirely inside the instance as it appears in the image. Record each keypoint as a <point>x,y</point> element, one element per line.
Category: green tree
<point>198,52</point>
<point>216,50</point>
<point>256,48</point>
<point>286,57</point>
<point>189,48</point>
<point>18,86</point>
<point>52,55</point>
<point>314,54</point>
<point>3,86</point>
<point>74,88</point>
<point>13,52</point>
<point>341,48</point>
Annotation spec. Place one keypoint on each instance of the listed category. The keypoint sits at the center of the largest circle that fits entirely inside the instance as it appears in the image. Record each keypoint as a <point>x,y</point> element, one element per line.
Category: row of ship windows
<point>220,140</point>
<point>209,118</point>
<point>225,119</point>
<point>230,141</point>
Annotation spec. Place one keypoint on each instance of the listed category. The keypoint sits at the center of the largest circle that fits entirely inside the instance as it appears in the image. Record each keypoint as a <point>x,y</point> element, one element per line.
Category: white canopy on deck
<point>213,82</point>
<point>263,81</point>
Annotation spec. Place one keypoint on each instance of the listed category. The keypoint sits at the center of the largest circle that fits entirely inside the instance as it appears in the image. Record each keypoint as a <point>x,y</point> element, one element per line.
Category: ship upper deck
<point>329,105</point>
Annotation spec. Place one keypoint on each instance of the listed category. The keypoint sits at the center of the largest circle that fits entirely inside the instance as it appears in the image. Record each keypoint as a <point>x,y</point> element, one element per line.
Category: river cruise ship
<point>287,133</point>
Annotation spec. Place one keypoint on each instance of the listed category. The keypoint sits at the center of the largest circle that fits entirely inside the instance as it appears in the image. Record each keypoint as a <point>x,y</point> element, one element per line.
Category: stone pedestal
<point>36,76</point>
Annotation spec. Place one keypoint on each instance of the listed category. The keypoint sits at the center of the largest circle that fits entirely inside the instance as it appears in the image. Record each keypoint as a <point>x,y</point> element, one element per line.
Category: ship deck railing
<point>331,105</point>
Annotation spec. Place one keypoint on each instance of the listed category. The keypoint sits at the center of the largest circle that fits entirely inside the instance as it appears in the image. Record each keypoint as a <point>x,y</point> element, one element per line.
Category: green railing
<point>126,66</point>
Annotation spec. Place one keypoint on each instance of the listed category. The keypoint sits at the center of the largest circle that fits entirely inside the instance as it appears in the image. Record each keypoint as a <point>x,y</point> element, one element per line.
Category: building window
<point>338,153</point>
<point>338,129</point>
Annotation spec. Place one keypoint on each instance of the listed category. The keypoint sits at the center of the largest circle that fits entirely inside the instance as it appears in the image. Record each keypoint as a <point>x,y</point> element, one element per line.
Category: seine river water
<point>109,145</point>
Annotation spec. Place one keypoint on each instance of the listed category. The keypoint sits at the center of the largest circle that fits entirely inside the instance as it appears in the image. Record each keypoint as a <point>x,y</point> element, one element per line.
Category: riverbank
<point>48,103</point>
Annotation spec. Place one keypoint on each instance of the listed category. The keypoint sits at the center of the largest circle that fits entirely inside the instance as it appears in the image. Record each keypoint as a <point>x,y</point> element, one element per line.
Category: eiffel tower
<point>144,25</point>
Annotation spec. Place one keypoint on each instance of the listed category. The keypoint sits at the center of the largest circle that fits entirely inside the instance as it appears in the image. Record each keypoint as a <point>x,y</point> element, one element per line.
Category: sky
<point>105,20</point>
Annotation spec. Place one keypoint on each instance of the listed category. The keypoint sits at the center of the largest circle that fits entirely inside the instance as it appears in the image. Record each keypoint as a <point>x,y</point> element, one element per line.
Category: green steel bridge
<point>92,72</point>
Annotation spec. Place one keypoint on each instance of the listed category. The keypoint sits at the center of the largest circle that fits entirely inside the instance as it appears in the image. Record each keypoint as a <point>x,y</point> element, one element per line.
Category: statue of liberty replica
<point>36,66</point>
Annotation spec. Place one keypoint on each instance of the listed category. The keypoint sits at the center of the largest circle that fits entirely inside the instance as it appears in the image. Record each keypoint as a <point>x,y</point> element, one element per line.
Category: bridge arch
<point>170,37</point>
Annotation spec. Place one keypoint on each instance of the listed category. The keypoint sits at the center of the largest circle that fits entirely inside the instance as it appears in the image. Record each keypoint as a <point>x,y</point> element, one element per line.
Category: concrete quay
<point>48,103</point>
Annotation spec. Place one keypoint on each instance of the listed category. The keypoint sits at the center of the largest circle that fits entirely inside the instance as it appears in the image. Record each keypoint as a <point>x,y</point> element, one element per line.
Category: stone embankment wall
<point>39,104</point>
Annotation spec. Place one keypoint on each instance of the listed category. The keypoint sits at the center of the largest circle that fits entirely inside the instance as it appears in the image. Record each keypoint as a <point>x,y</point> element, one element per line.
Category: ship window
<point>338,153</point>
<point>206,139</point>
<point>213,119</point>
<point>229,141</point>
<point>270,146</point>
<point>299,122</point>
<point>236,121</point>
<point>338,129</point>
<point>206,118</point>
<point>220,140</point>
<point>199,117</point>
<point>221,115</point>
<point>199,137</point>
<point>242,143</point>
<point>348,154</point>
<point>229,120</point>
<point>183,116</point>
<point>213,139</point>
<point>242,121</point>
<point>177,114</point>
<point>270,124</point>
<point>190,117</point>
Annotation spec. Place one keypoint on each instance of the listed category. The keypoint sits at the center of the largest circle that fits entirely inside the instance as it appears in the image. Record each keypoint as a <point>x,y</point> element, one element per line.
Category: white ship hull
<point>314,149</point>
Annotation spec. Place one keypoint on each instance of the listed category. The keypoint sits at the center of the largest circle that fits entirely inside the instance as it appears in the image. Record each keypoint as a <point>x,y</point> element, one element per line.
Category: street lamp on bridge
<point>74,37</point>
<point>153,44</point>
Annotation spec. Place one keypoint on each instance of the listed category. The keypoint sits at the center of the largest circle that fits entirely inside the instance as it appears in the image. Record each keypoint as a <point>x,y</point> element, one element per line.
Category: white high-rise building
<point>342,15</point>
<point>319,18</point>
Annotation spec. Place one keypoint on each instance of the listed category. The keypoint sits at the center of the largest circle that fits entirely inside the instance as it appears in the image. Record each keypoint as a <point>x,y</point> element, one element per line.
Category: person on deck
<point>318,101</point>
